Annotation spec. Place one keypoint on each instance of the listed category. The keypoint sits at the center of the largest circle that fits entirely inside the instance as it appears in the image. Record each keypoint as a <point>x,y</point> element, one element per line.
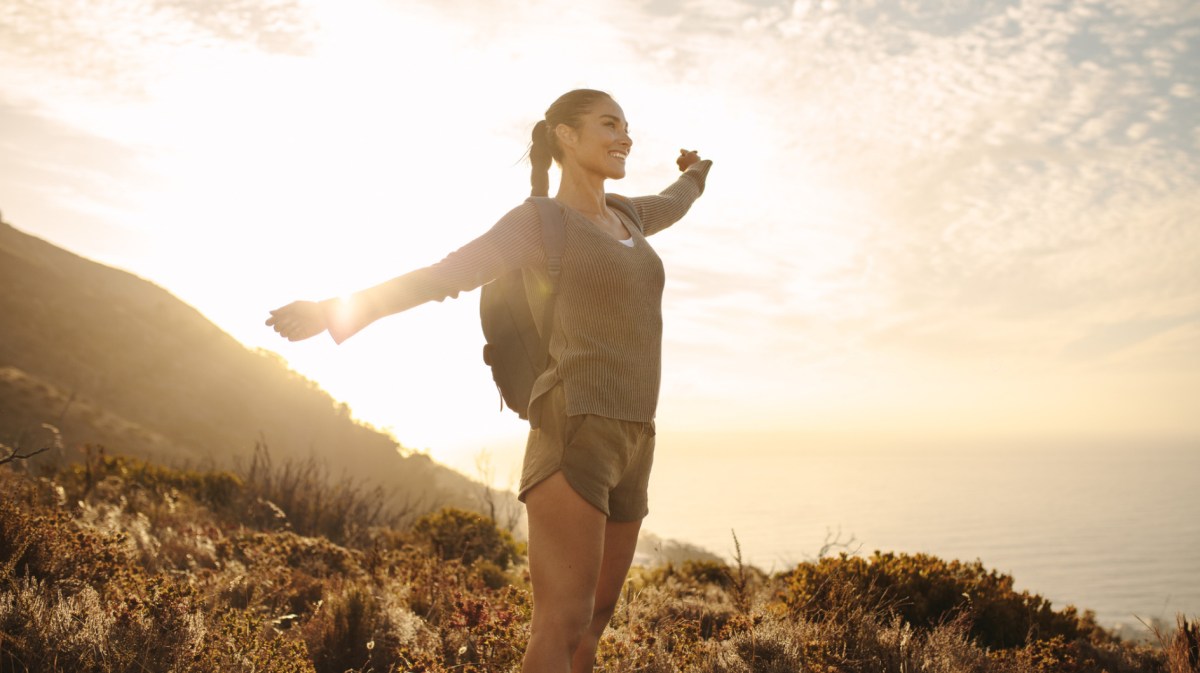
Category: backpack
<point>515,351</point>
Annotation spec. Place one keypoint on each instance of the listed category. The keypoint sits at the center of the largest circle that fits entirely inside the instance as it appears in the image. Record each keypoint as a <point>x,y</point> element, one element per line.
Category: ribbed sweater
<point>606,344</point>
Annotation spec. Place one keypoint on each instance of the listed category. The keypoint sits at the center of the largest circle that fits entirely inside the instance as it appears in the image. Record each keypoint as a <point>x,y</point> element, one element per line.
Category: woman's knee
<point>601,616</point>
<point>566,625</point>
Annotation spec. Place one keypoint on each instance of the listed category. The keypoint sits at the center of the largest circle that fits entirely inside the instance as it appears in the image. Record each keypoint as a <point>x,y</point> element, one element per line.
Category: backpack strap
<point>554,241</point>
<point>554,235</point>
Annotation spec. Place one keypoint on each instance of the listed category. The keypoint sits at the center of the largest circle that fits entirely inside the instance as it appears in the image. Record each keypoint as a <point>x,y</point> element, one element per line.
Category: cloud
<point>1006,162</point>
<point>274,26</point>
<point>118,48</point>
<point>1111,338</point>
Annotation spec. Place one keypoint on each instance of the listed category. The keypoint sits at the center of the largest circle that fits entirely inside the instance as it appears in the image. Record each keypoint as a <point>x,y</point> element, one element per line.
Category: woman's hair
<point>544,143</point>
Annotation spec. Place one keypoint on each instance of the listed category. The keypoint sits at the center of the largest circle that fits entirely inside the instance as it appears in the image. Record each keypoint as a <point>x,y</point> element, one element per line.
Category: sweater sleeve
<point>670,205</point>
<point>513,242</point>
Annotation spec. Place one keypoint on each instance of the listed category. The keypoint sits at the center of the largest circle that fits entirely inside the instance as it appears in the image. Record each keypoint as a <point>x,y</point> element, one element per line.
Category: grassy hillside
<point>115,566</point>
<point>111,359</point>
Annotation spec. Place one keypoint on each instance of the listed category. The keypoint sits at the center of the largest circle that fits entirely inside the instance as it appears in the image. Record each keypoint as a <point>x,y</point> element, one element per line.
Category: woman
<point>591,442</point>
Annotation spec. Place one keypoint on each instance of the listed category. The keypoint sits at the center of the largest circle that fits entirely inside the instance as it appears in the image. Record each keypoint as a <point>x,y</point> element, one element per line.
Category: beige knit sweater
<point>606,347</point>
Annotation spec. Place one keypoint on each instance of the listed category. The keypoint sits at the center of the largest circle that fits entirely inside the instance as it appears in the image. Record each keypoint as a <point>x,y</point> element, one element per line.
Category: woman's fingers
<point>687,158</point>
<point>297,321</point>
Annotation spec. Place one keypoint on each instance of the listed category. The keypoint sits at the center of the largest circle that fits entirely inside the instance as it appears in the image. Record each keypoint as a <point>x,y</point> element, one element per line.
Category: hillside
<point>112,359</point>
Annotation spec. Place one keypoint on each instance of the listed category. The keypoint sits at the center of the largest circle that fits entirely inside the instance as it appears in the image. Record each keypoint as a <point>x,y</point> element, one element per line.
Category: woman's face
<point>601,143</point>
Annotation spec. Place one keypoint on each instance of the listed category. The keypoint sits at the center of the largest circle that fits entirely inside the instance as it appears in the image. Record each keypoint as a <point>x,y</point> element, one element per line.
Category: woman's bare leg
<point>566,548</point>
<point>620,541</point>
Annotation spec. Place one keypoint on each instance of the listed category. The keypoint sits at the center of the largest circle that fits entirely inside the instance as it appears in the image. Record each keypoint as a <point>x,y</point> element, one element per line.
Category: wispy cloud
<point>993,158</point>
<point>123,47</point>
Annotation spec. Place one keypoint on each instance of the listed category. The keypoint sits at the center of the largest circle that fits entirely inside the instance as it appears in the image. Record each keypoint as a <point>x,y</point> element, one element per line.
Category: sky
<point>963,222</point>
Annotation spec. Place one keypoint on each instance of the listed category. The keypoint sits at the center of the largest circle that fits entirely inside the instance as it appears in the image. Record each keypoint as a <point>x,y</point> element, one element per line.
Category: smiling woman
<point>592,434</point>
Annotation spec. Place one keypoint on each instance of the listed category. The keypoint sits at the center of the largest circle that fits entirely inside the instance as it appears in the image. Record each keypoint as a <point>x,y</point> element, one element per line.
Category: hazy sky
<point>967,221</point>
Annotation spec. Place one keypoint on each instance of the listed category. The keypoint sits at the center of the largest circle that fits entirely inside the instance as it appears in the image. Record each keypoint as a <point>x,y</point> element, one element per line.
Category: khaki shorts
<point>607,461</point>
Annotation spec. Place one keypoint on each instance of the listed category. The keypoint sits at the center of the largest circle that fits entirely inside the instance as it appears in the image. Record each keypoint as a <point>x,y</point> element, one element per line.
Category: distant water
<point>1116,531</point>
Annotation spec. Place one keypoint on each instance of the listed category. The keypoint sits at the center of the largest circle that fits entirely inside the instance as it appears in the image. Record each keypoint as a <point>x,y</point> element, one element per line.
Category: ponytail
<point>544,147</point>
<point>540,155</point>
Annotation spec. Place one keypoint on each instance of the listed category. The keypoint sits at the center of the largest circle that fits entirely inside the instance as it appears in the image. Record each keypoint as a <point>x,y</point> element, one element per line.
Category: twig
<point>13,454</point>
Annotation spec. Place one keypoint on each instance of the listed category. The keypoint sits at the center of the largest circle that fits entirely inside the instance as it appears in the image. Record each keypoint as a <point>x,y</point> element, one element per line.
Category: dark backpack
<point>515,350</point>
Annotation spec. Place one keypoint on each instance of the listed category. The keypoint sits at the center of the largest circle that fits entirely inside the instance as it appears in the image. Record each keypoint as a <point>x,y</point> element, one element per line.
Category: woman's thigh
<point>566,549</point>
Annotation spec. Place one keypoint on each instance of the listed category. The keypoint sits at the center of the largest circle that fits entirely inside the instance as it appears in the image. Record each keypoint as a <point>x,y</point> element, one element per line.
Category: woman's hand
<point>687,158</point>
<point>298,320</point>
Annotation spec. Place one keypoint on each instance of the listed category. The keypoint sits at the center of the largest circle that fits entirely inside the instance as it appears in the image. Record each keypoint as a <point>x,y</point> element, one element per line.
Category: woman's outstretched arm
<point>515,241</point>
<point>669,206</point>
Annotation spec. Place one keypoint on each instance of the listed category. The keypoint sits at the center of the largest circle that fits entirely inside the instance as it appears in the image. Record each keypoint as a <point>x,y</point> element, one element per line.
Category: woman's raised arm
<point>661,210</point>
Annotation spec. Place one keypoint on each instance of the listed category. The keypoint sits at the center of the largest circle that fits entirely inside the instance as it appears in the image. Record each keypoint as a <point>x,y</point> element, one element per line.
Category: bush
<point>926,591</point>
<point>341,635</point>
<point>454,534</point>
<point>302,496</point>
<point>217,490</point>
<point>47,543</point>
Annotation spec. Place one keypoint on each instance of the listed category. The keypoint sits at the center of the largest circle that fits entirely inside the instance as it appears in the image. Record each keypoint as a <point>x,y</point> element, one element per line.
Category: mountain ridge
<point>111,358</point>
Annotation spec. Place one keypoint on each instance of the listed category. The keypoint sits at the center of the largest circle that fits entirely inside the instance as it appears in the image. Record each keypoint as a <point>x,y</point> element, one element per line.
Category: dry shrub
<point>1181,647</point>
<point>303,497</point>
<point>239,641</point>
<point>341,632</point>
<point>486,631</point>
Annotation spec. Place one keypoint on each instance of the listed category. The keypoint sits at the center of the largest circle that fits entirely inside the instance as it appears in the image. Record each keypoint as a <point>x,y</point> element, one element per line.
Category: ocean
<point>1115,530</point>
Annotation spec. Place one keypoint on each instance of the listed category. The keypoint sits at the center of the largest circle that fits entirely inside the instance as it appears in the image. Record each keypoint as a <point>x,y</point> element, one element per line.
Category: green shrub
<point>454,534</point>
<point>217,490</point>
<point>925,591</point>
